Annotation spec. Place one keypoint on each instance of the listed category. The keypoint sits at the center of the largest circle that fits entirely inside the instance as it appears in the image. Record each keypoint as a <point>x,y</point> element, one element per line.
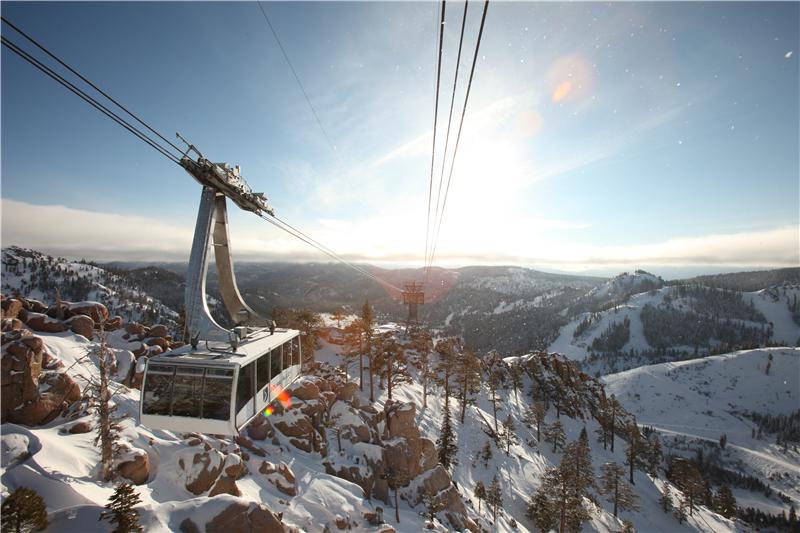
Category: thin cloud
<point>106,236</point>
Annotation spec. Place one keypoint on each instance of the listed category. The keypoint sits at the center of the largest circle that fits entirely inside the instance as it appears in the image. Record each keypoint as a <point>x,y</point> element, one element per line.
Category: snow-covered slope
<point>766,315</point>
<point>625,284</point>
<point>703,399</point>
<point>63,467</point>
<point>36,275</point>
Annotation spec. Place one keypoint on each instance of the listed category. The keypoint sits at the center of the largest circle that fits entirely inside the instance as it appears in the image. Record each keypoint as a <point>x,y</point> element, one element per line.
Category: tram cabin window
<point>244,387</point>
<point>158,390</point>
<point>295,350</point>
<point>187,391</point>
<point>276,362</point>
<point>262,371</point>
<point>217,393</point>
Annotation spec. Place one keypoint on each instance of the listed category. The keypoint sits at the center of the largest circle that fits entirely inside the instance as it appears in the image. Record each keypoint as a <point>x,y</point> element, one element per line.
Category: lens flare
<point>561,91</point>
<point>570,79</point>
<point>269,410</point>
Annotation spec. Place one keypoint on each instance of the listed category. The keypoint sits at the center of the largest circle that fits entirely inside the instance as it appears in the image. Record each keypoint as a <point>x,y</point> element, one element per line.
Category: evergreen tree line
<point>613,338</point>
<point>786,428</point>
<point>717,302</point>
<point>665,326</point>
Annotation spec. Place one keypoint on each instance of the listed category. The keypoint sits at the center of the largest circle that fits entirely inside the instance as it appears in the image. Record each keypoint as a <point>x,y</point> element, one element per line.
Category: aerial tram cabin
<point>219,392</point>
<point>225,377</point>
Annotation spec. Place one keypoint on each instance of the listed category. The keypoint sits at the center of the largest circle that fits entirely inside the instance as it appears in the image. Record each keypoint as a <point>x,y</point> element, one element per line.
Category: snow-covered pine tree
<point>100,403</point>
<point>494,496</point>
<point>120,510</point>
<point>446,446</point>
<point>23,510</point>
<point>725,502</point>
<point>467,376</point>
<point>541,512</point>
<point>554,434</point>
<point>509,434</point>
<point>615,488</point>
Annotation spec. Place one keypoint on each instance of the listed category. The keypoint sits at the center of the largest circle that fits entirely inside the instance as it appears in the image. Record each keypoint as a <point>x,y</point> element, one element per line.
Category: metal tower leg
<point>199,322</point>
<point>241,314</point>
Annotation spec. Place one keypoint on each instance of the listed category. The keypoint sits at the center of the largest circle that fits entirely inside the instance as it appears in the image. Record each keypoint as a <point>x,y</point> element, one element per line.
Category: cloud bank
<point>384,241</point>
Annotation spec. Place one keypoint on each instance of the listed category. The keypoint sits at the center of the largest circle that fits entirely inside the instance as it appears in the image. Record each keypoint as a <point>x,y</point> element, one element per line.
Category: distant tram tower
<point>413,297</point>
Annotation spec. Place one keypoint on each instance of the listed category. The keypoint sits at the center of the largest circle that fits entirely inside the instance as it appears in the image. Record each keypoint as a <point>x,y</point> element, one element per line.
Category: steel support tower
<point>413,297</point>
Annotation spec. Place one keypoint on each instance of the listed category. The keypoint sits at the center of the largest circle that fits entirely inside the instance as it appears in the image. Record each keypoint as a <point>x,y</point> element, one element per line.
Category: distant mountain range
<point>508,309</point>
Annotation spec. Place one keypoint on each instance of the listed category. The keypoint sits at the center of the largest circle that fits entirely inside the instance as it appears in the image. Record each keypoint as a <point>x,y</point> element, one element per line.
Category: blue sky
<point>598,137</point>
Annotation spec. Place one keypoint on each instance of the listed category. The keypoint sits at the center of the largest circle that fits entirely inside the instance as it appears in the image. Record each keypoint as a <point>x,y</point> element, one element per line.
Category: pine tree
<point>509,434</point>
<point>654,456</point>
<point>446,443</point>
<point>108,422</point>
<point>680,511</point>
<point>447,351</point>
<point>725,502</point>
<point>467,375</point>
<point>635,452</point>
<point>338,315</point>
<point>540,511</point>
<point>537,415</point>
<point>423,344</point>
<point>627,525</point>
<point>23,510</point>
<point>515,375</point>
<point>688,479</point>
<point>395,479</point>
<point>577,461</point>
<point>614,487</point>
<point>367,327</point>
<point>666,499</point>
<point>480,493</point>
<point>485,454</point>
<point>614,410</point>
<point>393,362</point>
<point>354,349</point>
<point>569,509</point>
<point>494,383</point>
<point>494,496</point>
<point>120,511</point>
<point>554,434</point>
<point>433,504</point>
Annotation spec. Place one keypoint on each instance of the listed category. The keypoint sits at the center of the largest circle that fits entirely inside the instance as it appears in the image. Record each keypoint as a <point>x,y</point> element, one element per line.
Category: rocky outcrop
<point>137,468</point>
<point>82,325</point>
<point>44,323</point>
<point>203,471</point>
<point>281,476</point>
<point>11,307</point>
<point>94,310</point>
<point>240,517</point>
<point>31,395</point>
<point>436,483</point>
